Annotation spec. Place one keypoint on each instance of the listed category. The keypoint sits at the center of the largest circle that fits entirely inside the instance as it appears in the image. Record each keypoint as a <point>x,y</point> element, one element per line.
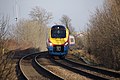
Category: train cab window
<point>58,32</point>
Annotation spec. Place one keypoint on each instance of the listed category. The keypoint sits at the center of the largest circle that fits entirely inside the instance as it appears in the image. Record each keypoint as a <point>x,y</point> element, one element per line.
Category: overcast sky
<point>78,10</point>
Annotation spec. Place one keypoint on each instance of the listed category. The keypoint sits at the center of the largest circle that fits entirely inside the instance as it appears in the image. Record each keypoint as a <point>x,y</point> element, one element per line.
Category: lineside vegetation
<point>103,34</point>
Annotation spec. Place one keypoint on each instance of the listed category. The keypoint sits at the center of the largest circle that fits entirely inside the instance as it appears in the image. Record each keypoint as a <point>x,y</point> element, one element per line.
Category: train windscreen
<point>58,32</point>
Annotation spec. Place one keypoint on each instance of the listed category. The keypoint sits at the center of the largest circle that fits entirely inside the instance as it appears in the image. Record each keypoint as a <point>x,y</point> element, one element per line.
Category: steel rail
<point>49,73</point>
<point>76,70</point>
<point>22,73</point>
<point>24,77</point>
<point>96,69</point>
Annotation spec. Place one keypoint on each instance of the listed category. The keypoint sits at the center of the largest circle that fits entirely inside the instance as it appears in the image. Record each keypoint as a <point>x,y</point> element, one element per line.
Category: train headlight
<point>66,43</point>
<point>50,44</point>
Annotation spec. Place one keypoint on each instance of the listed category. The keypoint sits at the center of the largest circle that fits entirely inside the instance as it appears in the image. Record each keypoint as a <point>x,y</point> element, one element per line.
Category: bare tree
<point>40,15</point>
<point>27,32</point>
<point>65,20</point>
<point>33,31</point>
<point>103,36</point>
<point>6,65</point>
<point>3,30</point>
<point>43,17</point>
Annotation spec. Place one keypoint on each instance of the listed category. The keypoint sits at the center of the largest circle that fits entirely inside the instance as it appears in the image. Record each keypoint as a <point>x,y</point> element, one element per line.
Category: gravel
<point>31,73</point>
<point>66,74</point>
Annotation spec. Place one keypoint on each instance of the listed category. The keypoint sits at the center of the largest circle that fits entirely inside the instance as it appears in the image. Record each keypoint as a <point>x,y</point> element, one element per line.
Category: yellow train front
<point>58,41</point>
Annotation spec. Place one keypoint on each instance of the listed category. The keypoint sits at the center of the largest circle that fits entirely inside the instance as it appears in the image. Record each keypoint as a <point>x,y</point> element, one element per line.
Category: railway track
<point>64,73</point>
<point>88,71</point>
<point>46,71</point>
<point>39,71</point>
<point>22,73</point>
<point>96,69</point>
<point>45,74</point>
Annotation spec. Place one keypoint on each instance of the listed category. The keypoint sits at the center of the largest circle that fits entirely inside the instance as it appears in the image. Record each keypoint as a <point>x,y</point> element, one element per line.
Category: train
<point>59,41</point>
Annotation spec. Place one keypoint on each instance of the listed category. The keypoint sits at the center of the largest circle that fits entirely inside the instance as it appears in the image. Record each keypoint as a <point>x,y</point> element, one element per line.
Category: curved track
<point>23,75</point>
<point>64,73</point>
<point>79,71</point>
<point>96,69</point>
<point>41,69</point>
<point>43,73</point>
<point>38,72</point>
<point>88,71</point>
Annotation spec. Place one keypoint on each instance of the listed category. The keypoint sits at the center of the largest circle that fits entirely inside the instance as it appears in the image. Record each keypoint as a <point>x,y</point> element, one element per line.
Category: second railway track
<point>59,70</point>
<point>96,69</point>
<point>88,71</point>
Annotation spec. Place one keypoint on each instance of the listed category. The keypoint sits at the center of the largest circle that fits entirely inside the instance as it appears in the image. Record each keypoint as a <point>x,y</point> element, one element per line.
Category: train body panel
<point>71,40</point>
<point>52,51</point>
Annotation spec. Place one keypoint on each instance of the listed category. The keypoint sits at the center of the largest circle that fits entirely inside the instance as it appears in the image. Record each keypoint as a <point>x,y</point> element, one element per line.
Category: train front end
<point>58,41</point>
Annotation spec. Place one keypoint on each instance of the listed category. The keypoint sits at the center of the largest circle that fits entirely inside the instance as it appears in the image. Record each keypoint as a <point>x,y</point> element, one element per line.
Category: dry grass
<point>82,53</point>
<point>7,68</point>
<point>66,74</point>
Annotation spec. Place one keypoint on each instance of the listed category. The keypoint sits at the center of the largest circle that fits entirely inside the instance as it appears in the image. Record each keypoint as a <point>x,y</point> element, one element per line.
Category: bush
<point>103,34</point>
<point>6,65</point>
